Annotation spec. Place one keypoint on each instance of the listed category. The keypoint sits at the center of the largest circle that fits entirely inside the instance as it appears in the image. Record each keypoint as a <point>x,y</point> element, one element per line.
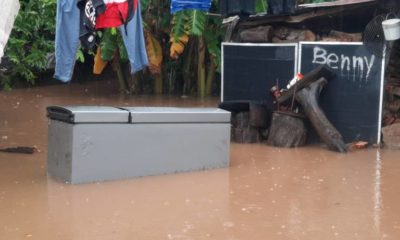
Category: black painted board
<point>351,101</point>
<point>250,71</point>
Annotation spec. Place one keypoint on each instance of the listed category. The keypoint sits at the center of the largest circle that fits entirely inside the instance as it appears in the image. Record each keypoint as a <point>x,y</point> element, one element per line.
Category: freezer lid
<point>178,115</point>
<point>88,114</point>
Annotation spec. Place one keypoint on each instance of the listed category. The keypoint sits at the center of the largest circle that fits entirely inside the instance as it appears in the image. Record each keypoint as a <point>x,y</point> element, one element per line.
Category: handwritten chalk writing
<point>358,66</point>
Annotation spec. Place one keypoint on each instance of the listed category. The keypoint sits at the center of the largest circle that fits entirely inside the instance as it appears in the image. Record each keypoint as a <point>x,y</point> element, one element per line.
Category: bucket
<point>391,29</point>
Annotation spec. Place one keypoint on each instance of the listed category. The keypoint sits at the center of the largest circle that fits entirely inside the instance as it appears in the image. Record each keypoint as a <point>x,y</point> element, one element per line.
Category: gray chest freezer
<point>88,144</point>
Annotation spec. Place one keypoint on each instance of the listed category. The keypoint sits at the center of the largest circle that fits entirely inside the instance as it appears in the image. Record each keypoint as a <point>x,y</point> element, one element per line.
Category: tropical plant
<point>261,6</point>
<point>206,33</point>
<point>31,41</point>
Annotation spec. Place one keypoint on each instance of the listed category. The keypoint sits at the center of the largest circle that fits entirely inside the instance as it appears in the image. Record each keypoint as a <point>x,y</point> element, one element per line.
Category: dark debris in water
<point>22,150</point>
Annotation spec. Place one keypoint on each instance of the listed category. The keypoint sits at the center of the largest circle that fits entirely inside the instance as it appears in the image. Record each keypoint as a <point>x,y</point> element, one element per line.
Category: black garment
<point>234,7</point>
<point>276,7</point>
<point>89,10</point>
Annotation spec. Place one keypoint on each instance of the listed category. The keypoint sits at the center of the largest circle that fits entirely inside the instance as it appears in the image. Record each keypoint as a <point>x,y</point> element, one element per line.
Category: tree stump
<point>242,131</point>
<point>287,130</point>
<point>307,93</point>
<point>391,136</point>
<point>249,120</point>
<point>308,99</point>
<point>260,115</point>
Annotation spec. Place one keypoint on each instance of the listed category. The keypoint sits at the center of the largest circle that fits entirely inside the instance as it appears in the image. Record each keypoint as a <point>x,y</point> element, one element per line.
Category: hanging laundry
<point>118,12</point>
<point>89,10</point>
<point>8,14</point>
<point>237,7</point>
<point>67,39</point>
<point>179,5</point>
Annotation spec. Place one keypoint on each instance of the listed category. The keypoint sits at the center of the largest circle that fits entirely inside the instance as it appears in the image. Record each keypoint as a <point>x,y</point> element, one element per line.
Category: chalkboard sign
<point>249,71</point>
<point>353,100</point>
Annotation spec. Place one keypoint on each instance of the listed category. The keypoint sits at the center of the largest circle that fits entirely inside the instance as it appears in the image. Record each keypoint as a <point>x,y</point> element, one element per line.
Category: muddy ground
<point>267,193</point>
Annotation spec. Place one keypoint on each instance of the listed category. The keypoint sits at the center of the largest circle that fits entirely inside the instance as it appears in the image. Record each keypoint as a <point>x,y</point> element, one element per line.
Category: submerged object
<point>23,150</point>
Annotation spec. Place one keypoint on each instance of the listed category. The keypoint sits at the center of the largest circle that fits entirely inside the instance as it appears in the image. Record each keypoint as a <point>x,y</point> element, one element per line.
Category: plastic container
<point>391,29</point>
<point>91,143</point>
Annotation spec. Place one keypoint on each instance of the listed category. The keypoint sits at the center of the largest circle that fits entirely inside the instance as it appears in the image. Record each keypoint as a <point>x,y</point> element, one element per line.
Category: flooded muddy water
<point>267,193</point>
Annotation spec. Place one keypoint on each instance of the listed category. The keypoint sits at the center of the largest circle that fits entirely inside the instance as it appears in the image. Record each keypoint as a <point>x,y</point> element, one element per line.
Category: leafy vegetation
<point>31,41</point>
<point>183,49</point>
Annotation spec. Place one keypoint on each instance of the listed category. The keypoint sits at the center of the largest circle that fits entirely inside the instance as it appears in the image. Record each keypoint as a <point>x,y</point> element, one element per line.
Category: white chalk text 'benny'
<point>356,66</point>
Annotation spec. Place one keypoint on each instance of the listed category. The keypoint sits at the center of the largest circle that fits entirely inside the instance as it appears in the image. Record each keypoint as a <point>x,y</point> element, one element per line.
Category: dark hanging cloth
<point>278,7</point>
<point>89,10</point>
<point>237,7</point>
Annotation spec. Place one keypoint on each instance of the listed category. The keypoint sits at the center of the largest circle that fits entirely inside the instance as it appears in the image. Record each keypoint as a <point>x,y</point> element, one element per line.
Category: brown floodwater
<point>267,193</point>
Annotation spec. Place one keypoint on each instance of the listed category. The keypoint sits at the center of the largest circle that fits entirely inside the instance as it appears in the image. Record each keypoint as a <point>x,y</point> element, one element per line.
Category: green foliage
<point>196,22</point>
<point>261,6</point>
<point>111,41</point>
<point>144,4</point>
<point>191,22</point>
<point>80,56</point>
<point>179,25</point>
<point>32,38</point>
<point>213,35</point>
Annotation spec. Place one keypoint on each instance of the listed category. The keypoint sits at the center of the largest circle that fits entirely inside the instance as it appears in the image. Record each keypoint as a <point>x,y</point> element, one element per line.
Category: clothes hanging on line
<point>99,14</point>
<point>67,39</point>
<point>179,5</point>
<point>237,7</point>
<point>117,13</point>
<point>89,11</point>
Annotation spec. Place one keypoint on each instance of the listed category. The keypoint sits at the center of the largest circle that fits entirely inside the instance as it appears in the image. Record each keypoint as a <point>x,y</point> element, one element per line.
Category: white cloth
<point>9,11</point>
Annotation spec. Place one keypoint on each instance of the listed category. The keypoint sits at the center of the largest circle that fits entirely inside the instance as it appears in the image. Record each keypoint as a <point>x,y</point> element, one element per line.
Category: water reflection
<point>377,191</point>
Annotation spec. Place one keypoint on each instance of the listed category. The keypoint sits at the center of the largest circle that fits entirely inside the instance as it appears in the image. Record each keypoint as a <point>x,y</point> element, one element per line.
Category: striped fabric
<point>178,5</point>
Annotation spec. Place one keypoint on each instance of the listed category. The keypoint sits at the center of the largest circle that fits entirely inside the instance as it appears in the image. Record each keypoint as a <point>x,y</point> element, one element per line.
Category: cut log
<point>259,115</point>
<point>287,130</point>
<point>393,106</point>
<point>345,37</point>
<point>246,135</point>
<point>308,90</point>
<point>396,91</point>
<point>257,35</point>
<point>388,118</point>
<point>242,131</point>
<point>391,136</point>
<point>287,35</point>
<point>308,99</point>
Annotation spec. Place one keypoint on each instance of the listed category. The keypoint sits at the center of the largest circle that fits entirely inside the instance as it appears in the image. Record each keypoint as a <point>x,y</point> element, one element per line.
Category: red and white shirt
<point>116,13</point>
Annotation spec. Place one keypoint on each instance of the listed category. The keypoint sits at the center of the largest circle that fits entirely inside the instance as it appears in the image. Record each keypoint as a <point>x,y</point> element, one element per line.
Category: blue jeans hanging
<point>67,38</point>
